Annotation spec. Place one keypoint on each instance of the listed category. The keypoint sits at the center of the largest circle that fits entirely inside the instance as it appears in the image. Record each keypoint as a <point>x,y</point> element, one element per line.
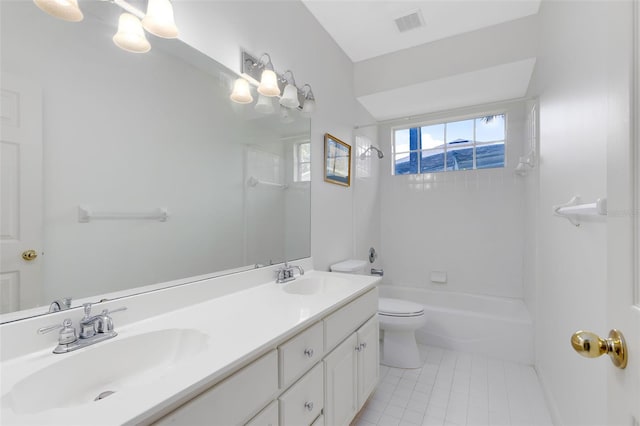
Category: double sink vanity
<point>296,353</point>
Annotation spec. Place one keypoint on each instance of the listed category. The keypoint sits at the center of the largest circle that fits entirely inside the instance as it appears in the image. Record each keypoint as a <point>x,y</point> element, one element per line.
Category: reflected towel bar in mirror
<point>85,215</point>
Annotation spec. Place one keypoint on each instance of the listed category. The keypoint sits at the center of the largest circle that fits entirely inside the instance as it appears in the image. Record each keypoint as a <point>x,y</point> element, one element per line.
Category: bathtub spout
<point>379,272</point>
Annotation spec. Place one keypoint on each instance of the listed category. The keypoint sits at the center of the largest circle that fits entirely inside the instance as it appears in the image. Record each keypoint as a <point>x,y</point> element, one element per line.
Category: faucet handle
<point>87,309</point>
<point>104,323</point>
<point>108,312</point>
<point>67,334</point>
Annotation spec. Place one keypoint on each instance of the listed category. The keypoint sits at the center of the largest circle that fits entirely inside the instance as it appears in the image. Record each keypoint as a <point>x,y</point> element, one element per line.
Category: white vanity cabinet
<point>351,373</point>
<point>233,400</point>
<point>295,384</point>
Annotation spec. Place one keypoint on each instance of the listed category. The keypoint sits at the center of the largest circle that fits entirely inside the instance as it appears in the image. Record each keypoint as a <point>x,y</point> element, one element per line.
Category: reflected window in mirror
<point>302,161</point>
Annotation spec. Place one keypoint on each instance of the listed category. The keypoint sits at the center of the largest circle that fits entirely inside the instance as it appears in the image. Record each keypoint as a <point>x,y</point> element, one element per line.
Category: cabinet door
<point>368,359</point>
<point>341,371</point>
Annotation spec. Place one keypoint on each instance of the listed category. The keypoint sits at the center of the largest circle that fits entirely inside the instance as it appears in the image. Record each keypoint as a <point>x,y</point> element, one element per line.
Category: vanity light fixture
<point>309,105</point>
<point>67,10</point>
<point>241,92</point>
<point>285,115</point>
<point>264,105</point>
<point>158,21</point>
<point>260,73</point>
<point>268,79</point>
<point>289,97</point>
<point>130,35</point>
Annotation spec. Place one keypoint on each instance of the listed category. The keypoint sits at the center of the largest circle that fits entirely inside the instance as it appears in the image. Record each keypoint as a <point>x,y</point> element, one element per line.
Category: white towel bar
<point>573,208</point>
<point>252,181</point>
<point>85,215</point>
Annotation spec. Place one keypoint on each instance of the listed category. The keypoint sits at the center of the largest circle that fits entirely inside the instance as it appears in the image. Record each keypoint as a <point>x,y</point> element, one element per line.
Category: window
<point>302,162</point>
<point>476,143</point>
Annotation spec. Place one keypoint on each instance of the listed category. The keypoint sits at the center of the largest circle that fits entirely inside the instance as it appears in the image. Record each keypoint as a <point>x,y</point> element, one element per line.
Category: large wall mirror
<point>98,144</point>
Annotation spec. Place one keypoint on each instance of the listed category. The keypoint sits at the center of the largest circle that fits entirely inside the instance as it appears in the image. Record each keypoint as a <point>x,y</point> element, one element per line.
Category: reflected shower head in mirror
<point>371,147</point>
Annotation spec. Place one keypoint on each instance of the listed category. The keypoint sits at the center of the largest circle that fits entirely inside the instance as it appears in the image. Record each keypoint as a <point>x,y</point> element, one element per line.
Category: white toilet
<point>399,319</point>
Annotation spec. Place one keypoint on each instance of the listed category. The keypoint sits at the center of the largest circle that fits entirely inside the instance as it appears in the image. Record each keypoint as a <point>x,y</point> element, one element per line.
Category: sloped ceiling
<point>468,52</point>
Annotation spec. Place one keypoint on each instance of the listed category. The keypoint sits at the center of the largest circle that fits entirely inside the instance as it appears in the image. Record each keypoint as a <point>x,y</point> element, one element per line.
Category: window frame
<point>444,120</point>
<point>297,163</point>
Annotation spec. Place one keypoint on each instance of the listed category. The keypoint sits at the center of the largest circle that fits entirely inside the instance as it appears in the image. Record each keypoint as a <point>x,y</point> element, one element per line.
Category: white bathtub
<point>495,326</point>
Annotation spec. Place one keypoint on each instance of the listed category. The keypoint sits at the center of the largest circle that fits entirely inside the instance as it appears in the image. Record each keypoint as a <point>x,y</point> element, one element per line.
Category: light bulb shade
<point>308,107</point>
<point>269,84</point>
<point>264,105</point>
<point>159,19</point>
<point>66,10</point>
<point>130,35</point>
<point>241,92</point>
<point>285,115</point>
<point>290,97</point>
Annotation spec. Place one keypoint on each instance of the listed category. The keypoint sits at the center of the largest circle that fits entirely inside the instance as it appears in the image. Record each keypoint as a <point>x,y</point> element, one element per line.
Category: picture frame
<point>337,161</point>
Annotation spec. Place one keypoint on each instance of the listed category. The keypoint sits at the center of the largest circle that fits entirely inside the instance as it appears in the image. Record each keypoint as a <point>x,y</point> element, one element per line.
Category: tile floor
<point>454,389</point>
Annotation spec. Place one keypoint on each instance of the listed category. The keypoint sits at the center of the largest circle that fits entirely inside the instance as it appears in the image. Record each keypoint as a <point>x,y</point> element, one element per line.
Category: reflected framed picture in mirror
<point>337,161</point>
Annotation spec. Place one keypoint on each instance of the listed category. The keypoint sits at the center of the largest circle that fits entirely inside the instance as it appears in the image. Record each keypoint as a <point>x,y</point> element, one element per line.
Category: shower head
<point>371,147</point>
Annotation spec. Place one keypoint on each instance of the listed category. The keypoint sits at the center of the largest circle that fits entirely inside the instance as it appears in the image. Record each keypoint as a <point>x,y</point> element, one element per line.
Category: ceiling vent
<point>409,22</point>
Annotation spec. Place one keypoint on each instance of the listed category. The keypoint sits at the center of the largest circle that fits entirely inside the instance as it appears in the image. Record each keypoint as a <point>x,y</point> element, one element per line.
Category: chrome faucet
<point>61,304</point>
<point>285,274</point>
<point>93,329</point>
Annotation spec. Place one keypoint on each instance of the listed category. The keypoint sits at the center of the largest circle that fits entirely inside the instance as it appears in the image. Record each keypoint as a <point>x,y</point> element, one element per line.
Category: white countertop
<point>241,327</point>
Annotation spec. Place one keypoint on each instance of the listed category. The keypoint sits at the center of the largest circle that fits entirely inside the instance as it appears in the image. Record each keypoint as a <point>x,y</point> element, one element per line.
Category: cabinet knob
<point>364,345</point>
<point>308,405</point>
<point>308,352</point>
<point>358,348</point>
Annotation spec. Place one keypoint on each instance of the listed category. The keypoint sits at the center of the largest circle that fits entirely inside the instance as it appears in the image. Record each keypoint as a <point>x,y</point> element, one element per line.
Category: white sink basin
<point>104,368</point>
<point>314,285</point>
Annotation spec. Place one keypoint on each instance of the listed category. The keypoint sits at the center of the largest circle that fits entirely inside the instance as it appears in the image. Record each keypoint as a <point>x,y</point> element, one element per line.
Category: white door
<point>20,194</point>
<point>623,223</point>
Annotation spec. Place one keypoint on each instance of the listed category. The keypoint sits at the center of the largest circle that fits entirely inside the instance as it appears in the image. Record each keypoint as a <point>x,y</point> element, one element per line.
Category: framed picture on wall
<point>337,161</point>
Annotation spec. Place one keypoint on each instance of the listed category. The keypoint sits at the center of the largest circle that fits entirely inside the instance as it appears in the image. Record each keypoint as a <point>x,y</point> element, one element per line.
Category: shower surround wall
<point>468,224</point>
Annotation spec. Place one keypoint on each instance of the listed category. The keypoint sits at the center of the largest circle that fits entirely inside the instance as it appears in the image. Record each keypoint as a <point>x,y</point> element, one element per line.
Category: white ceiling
<point>490,72</point>
<point>498,83</point>
<point>365,29</point>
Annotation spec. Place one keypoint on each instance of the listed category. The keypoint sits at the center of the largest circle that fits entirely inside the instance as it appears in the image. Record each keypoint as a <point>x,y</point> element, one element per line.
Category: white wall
<point>571,80</point>
<point>468,224</point>
<point>222,28</point>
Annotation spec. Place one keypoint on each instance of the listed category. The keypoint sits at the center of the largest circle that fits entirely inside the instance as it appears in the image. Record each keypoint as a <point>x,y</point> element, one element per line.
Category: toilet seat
<point>399,308</point>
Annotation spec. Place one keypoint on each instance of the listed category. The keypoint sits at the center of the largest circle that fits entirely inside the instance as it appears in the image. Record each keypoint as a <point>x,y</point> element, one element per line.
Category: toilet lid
<point>399,308</point>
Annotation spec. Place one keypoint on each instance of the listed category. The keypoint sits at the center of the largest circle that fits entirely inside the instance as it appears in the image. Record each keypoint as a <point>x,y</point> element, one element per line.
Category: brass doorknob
<point>590,345</point>
<point>29,255</point>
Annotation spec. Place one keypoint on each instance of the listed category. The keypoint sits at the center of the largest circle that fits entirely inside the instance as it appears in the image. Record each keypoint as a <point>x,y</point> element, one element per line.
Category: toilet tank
<point>350,266</point>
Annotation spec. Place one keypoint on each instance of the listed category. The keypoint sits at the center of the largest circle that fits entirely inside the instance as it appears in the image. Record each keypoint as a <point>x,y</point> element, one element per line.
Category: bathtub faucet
<point>379,272</point>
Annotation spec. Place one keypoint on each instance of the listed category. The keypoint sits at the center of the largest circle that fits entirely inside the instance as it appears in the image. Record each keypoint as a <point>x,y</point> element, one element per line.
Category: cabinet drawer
<point>266,417</point>
<point>233,400</point>
<point>345,321</point>
<point>300,353</point>
<point>304,401</point>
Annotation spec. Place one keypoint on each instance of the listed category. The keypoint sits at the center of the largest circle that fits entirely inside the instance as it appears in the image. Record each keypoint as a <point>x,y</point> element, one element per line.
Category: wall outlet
<point>438,277</point>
